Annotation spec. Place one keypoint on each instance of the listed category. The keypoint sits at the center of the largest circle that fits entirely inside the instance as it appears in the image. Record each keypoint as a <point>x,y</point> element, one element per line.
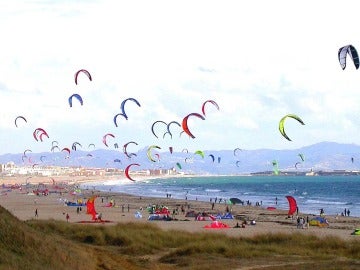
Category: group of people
<point>346,212</point>
<point>302,223</point>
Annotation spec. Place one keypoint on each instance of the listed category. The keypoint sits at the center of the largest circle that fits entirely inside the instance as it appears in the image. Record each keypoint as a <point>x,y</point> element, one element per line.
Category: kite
<point>127,170</point>
<point>90,206</point>
<point>236,150</point>
<point>52,143</point>
<point>39,133</point>
<point>27,150</point>
<point>292,205</point>
<point>212,102</point>
<point>74,145</point>
<point>66,150</point>
<point>200,153</point>
<point>342,53</point>
<point>91,144</point>
<point>82,71</point>
<point>78,97</point>
<point>167,132</point>
<point>53,148</point>
<point>116,116</point>
<point>185,124</point>
<point>105,137</point>
<point>148,153</point>
<point>122,106</point>
<point>282,124</point>
<point>153,125</point>
<point>125,149</point>
<point>275,167</point>
<point>168,127</point>
<point>19,117</point>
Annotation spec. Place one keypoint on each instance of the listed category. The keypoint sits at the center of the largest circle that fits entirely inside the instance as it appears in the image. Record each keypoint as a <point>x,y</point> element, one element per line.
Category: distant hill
<point>324,156</point>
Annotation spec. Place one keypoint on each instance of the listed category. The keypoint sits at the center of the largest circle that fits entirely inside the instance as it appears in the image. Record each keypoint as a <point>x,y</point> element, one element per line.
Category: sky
<point>258,60</point>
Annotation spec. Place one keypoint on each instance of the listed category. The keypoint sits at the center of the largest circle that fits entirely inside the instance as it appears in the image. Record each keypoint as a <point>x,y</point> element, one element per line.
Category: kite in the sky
<point>87,73</point>
<point>282,124</point>
<point>19,117</point>
<point>209,101</point>
<point>153,125</point>
<point>185,123</point>
<point>39,133</point>
<point>344,51</point>
<point>105,138</point>
<point>74,145</point>
<point>127,173</point>
<point>129,155</point>
<point>148,153</point>
<point>78,97</point>
<point>168,127</point>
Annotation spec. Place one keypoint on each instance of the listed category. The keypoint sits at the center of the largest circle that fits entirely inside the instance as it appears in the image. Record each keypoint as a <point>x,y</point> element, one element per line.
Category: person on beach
<point>36,212</point>
<point>67,217</point>
<point>307,222</point>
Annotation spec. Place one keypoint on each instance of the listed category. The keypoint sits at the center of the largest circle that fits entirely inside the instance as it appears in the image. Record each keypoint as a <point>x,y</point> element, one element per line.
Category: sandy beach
<point>22,203</point>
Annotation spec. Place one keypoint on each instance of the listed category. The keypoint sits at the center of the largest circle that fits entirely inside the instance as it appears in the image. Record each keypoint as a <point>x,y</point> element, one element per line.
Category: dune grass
<point>50,244</point>
<point>144,245</point>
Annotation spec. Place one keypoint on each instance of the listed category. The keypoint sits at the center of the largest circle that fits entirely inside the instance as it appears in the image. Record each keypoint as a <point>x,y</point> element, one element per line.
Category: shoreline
<point>23,205</point>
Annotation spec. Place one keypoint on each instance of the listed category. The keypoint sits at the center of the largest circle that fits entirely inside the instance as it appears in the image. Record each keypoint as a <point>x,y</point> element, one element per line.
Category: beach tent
<point>216,225</point>
<point>319,221</point>
<point>356,232</point>
<point>236,201</point>
<point>292,205</point>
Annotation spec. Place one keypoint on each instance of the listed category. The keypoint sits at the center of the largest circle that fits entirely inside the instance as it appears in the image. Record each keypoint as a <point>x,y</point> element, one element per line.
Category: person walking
<point>67,217</point>
<point>36,212</point>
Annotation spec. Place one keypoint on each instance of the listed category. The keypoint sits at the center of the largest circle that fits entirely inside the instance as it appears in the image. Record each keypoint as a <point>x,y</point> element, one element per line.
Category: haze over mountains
<point>324,156</point>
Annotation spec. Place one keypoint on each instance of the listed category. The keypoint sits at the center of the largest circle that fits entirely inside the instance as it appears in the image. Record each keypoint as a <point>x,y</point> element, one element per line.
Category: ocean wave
<point>324,202</point>
<point>213,190</point>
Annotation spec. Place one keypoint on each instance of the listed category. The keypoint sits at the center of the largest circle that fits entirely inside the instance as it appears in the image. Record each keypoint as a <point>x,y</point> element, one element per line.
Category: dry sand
<point>22,204</point>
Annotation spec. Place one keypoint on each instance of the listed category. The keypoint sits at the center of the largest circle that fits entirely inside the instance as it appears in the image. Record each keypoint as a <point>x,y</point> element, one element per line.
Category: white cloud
<point>258,64</point>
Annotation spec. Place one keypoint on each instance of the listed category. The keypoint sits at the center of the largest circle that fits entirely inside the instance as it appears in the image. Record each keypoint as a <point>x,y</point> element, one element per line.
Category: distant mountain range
<point>324,156</point>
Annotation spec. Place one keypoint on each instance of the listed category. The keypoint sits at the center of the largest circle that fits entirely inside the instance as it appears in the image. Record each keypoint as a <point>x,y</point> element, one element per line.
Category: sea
<point>333,194</point>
